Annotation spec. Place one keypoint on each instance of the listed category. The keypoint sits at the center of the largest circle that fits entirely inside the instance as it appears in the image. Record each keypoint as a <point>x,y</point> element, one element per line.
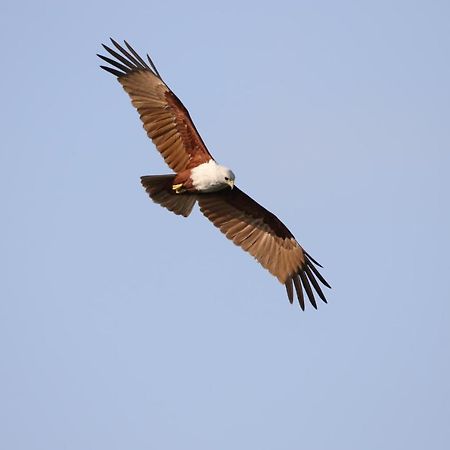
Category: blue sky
<point>124,326</point>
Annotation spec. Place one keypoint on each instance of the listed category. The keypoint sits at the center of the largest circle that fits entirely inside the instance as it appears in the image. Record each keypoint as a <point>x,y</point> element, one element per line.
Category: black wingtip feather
<point>114,63</point>
<point>113,71</point>
<point>289,290</point>
<point>135,61</point>
<point>313,260</point>
<point>318,274</point>
<point>153,66</point>
<point>298,288</point>
<point>141,61</point>
<point>115,43</point>
<point>315,283</point>
<point>127,61</point>
<point>123,60</point>
<point>308,289</point>
<point>305,279</point>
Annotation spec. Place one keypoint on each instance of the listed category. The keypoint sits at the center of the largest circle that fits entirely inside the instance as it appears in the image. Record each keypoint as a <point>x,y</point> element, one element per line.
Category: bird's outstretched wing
<point>164,117</point>
<point>265,237</point>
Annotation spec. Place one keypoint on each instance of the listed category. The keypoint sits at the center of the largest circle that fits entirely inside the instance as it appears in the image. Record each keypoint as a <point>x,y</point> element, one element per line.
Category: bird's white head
<point>210,177</point>
<point>227,175</point>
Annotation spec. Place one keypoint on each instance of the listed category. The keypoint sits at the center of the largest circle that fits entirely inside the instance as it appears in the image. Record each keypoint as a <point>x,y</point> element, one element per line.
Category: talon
<point>177,188</point>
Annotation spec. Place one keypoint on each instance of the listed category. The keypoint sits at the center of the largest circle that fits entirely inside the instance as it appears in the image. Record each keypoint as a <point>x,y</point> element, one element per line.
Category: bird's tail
<point>159,188</point>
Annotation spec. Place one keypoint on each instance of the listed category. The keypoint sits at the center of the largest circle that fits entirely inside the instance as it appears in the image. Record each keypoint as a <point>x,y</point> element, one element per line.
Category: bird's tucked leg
<point>178,188</point>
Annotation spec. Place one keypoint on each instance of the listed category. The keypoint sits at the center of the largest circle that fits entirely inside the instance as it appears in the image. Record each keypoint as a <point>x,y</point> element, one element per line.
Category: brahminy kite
<point>199,178</point>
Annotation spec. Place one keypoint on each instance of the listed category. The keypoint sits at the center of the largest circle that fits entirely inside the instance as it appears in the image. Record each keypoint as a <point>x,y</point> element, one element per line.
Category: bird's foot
<point>178,188</point>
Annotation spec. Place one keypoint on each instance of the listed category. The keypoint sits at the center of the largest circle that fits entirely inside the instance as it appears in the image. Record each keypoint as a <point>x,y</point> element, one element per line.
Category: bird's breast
<point>208,177</point>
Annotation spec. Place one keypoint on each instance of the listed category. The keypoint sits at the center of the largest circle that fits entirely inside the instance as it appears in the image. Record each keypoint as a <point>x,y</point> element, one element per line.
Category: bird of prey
<point>199,178</point>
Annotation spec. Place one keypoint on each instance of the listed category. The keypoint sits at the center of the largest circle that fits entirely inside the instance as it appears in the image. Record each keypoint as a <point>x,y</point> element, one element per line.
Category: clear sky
<point>123,326</point>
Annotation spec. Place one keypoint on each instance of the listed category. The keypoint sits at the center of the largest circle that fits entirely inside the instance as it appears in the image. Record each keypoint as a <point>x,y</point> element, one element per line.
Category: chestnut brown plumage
<point>249,225</point>
<point>164,117</point>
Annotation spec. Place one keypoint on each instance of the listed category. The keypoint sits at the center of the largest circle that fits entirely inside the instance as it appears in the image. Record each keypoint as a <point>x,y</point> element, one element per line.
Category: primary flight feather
<point>199,178</point>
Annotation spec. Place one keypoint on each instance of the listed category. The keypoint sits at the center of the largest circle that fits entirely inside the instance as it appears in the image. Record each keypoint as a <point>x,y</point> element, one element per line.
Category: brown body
<point>184,180</point>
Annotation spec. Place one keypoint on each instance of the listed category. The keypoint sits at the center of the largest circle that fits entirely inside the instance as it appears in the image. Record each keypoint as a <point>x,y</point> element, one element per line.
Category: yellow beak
<point>231,183</point>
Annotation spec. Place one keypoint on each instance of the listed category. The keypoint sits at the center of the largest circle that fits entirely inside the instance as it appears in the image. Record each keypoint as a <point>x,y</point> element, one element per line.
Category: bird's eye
<point>226,178</point>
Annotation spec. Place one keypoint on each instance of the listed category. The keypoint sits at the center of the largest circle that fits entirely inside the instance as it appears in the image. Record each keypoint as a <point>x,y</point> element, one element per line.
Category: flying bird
<point>198,178</point>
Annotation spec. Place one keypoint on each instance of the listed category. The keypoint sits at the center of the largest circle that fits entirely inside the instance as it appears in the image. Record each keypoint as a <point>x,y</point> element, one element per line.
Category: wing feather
<point>289,290</point>
<point>165,119</point>
<point>260,233</point>
<point>307,286</point>
<point>299,290</point>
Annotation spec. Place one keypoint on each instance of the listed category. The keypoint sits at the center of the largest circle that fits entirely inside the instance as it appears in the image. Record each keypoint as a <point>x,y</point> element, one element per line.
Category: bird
<point>198,178</point>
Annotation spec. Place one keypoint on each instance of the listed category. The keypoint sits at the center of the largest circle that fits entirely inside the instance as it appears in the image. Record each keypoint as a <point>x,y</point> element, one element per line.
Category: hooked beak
<point>230,183</point>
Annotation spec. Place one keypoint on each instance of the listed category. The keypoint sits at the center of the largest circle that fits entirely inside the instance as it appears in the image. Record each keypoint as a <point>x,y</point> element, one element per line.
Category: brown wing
<point>264,236</point>
<point>165,119</point>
